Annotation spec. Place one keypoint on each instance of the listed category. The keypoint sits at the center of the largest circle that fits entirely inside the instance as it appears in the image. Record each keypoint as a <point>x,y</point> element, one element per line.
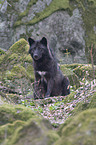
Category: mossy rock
<point>35,131</point>
<point>89,103</point>
<point>2,52</point>
<point>22,125</point>
<point>19,71</point>
<point>79,129</point>
<point>74,80</point>
<point>1,59</point>
<point>12,117</point>
<point>82,70</point>
<point>85,71</point>
<point>11,113</point>
<point>30,71</point>
<point>20,46</point>
<point>69,98</point>
<point>10,98</point>
<point>73,66</point>
<point>16,70</point>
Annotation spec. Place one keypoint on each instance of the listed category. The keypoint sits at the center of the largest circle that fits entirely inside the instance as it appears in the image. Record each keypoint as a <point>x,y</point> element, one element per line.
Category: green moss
<point>30,71</point>
<point>8,59</point>
<point>91,103</point>
<point>85,71</point>
<point>10,75</point>
<point>79,130</point>
<point>13,117</point>
<point>2,52</point>
<point>74,81</point>
<point>54,6</point>
<point>13,56</point>
<point>32,2</point>
<point>11,113</point>
<point>70,98</point>
<point>13,98</point>
<point>20,46</point>
<point>1,59</point>
<point>34,131</point>
<point>25,58</point>
<point>18,71</point>
<point>73,66</point>
<point>10,129</point>
<point>53,137</point>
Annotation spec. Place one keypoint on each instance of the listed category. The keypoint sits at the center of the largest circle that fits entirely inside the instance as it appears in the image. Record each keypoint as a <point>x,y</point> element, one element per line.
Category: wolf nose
<point>36,56</point>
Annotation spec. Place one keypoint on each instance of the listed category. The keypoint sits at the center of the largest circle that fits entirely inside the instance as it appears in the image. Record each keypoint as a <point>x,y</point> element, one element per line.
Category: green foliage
<point>53,107</point>
<point>39,109</point>
<point>27,103</point>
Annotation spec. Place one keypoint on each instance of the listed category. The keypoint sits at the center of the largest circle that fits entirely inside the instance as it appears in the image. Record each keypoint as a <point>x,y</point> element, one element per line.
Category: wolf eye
<point>33,49</point>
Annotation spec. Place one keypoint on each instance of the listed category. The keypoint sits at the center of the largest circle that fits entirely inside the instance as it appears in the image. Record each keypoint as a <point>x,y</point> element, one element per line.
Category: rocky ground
<point>58,109</point>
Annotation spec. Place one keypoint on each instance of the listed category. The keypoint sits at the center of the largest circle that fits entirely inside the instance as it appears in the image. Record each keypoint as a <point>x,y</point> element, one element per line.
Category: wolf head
<point>38,49</point>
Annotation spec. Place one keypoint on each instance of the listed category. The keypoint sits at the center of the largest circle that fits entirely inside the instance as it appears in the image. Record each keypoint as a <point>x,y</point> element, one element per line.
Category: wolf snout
<point>36,57</point>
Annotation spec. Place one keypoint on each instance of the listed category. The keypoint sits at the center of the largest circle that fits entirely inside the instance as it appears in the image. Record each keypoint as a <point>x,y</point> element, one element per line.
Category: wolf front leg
<point>50,84</point>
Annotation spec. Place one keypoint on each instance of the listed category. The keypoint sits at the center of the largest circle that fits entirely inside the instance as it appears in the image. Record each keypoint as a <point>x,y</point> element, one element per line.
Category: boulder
<point>79,130</point>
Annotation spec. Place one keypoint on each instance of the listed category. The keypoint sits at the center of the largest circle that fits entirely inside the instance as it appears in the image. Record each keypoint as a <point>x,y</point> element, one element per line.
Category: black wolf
<point>48,76</point>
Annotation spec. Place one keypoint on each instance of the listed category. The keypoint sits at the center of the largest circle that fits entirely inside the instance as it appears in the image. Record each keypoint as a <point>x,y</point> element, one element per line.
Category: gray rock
<point>65,33</point>
<point>36,8</point>
<point>3,6</point>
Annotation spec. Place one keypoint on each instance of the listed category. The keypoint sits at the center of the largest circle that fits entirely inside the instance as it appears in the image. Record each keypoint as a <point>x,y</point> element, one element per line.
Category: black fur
<point>48,76</point>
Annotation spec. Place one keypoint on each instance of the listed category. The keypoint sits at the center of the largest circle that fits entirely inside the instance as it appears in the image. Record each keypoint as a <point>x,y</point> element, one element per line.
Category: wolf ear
<point>44,41</point>
<point>31,41</point>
